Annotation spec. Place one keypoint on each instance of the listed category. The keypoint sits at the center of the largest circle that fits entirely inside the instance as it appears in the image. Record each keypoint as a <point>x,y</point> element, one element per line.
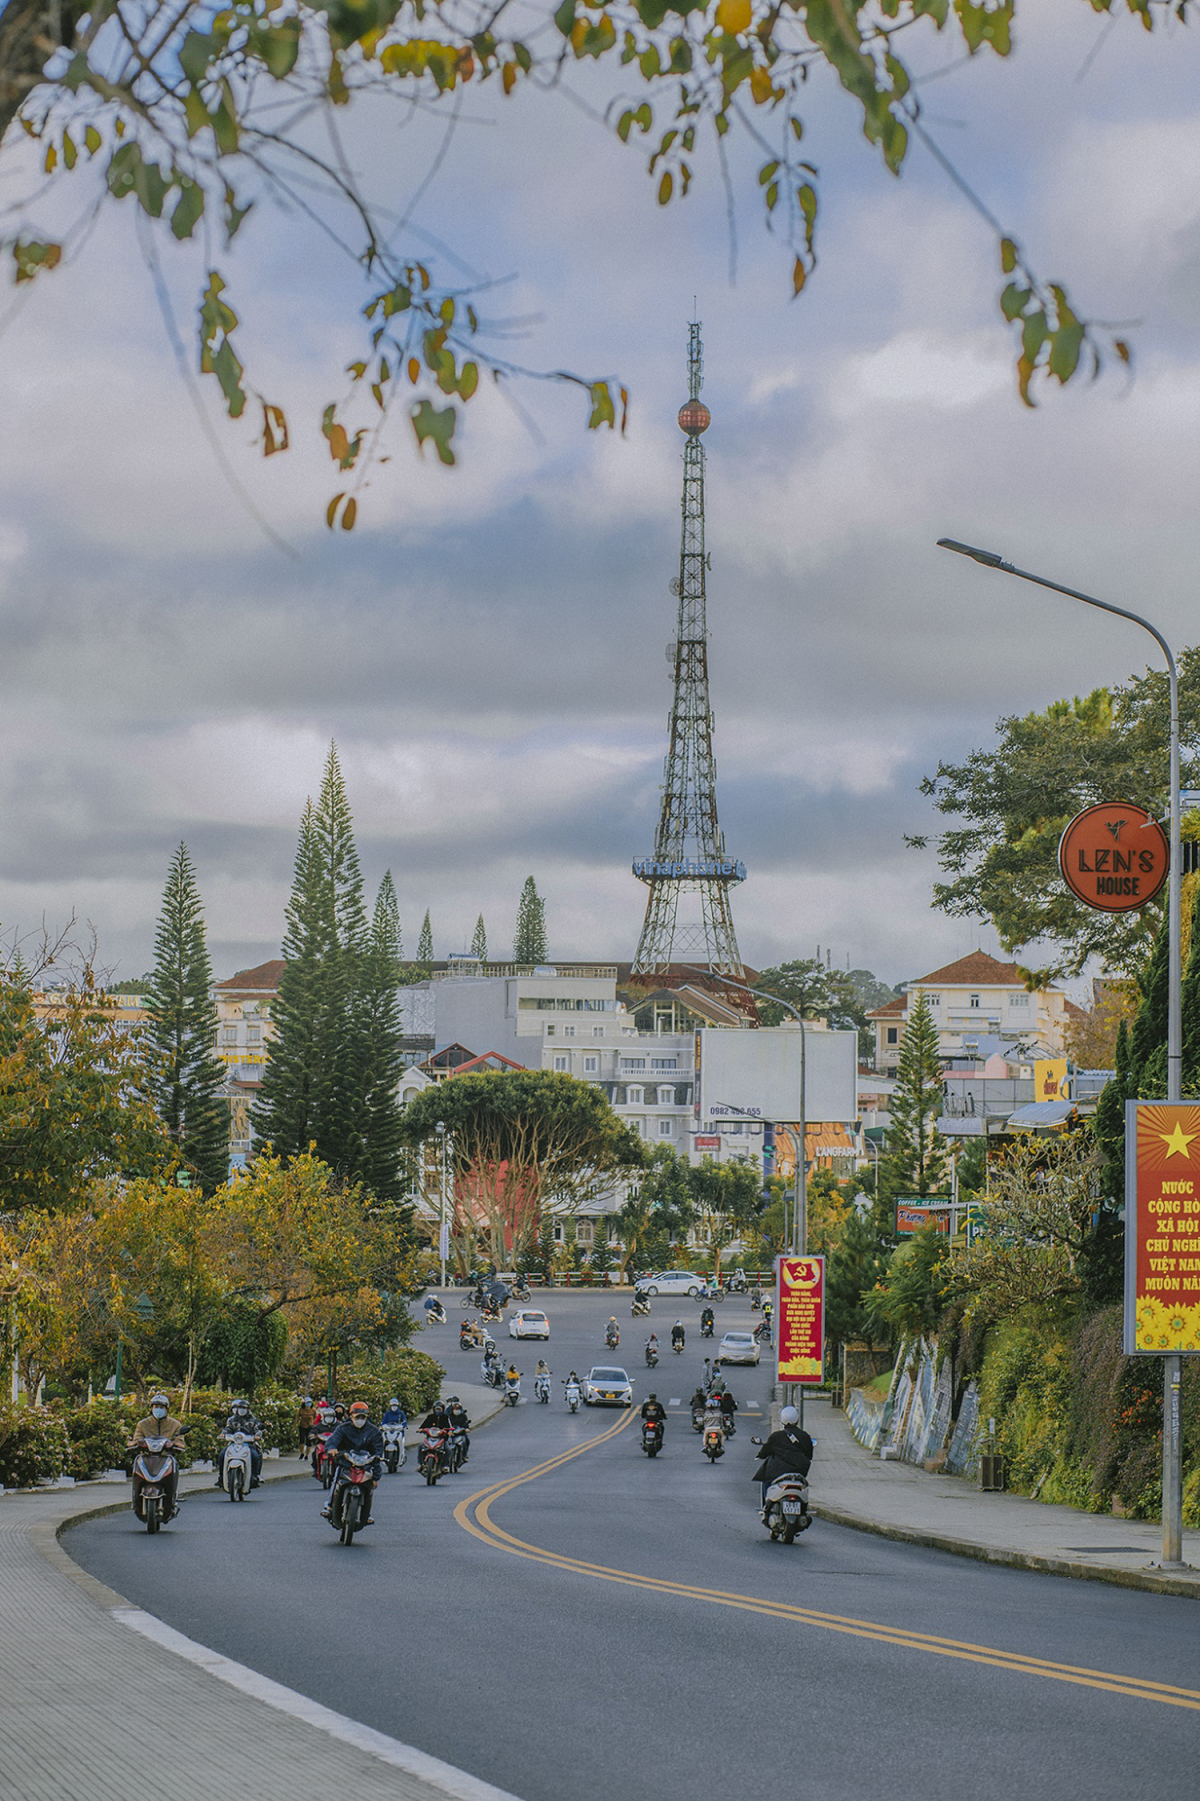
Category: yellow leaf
<point>761,86</point>
<point>339,443</point>
<point>799,276</point>
<point>734,15</point>
<point>331,510</point>
<point>349,514</point>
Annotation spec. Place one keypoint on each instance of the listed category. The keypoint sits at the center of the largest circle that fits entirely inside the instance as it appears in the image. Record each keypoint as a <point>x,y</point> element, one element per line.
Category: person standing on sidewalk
<point>306,1419</point>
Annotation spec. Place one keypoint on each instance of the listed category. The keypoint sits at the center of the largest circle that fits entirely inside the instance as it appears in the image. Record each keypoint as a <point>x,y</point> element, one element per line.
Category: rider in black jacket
<point>357,1434</point>
<point>654,1413</point>
<point>786,1452</point>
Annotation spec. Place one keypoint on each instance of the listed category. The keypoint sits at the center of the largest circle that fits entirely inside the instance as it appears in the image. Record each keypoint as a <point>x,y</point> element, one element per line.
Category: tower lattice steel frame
<point>689,848</point>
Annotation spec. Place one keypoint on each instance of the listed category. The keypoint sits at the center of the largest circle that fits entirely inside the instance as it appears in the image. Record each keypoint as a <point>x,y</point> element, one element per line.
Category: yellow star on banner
<point>1177,1141</point>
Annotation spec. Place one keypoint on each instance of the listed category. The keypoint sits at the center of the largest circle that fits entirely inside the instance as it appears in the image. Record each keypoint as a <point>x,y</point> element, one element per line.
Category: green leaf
<point>1034,334</point>
<point>603,410</point>
<point>564,18</point>
<point>92,139</point>
<point>1008,255</point>
<point>1013,300</point>
<point>1064,350</point>
<point>198,51</point>
<point>436,423</point>
<point>32,256</point>
<point>228,371</point>
<point>189,209</point>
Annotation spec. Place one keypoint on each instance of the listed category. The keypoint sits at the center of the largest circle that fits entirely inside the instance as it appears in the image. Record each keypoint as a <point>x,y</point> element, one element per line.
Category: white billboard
<point>755,1074</point>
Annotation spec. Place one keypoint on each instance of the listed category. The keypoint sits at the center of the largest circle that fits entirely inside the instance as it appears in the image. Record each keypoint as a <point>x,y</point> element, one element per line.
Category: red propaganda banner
<point>800,1319</point>
<point>1162,1228</point>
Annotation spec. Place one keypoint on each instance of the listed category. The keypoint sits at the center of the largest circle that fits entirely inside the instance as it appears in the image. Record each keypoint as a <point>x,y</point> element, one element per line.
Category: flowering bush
<point>98,1435</point>
<point>33,1446</point>
<point>412,1375</point>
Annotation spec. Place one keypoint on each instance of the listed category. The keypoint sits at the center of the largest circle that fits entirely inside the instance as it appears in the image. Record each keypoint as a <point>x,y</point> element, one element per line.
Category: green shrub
<point>99,1435</point>
<point>33,1446</point>
<point>414,1376</point>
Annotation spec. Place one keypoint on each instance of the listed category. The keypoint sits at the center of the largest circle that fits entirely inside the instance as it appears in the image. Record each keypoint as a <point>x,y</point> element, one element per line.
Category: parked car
<point>738,1347</point>
<point>527,1322</point>
<point>606,1385</point>
<point>672,1281</point>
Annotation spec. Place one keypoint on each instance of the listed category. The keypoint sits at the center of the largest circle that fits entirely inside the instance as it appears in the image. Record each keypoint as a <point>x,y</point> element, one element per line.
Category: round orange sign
<point>1114,856</point>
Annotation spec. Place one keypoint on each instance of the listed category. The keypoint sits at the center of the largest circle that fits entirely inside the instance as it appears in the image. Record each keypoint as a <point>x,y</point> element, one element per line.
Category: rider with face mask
<point>159,1423</point>
<point>242,1420</point>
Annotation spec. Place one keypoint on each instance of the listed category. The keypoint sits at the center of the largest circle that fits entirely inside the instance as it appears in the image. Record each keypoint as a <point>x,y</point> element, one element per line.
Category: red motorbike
<point>432,1460</point>
<point>322,1463</point>
<point>350,1502</point>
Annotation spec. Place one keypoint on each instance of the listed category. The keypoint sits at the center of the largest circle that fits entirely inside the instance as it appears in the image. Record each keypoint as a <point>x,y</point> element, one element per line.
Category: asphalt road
<point>615,1627</point>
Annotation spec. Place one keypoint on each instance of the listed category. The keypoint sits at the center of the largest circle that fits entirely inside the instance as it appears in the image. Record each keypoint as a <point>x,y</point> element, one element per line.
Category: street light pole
<point>1172,1514</point>
<point>440,1129</point>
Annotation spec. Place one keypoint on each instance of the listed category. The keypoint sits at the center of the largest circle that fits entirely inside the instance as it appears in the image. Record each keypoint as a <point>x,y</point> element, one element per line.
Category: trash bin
<point>991,1472</point>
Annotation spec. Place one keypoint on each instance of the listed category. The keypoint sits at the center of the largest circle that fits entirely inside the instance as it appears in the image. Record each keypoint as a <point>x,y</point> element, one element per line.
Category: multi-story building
<point>972,1001</point>
<point>244,1033</point>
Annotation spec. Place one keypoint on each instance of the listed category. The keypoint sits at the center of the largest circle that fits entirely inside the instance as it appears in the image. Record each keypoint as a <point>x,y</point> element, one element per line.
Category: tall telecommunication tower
<point>690,859</point>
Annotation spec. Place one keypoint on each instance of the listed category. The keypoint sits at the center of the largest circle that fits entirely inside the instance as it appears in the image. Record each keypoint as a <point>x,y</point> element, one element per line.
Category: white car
<point>672,1281</point>
<point>527,1322</point>
<point>607,1385</point>
<point>738,1347</point>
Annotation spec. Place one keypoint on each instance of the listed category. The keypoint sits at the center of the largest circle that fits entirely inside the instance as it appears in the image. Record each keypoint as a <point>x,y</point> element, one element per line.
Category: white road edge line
<point>443,1777</point>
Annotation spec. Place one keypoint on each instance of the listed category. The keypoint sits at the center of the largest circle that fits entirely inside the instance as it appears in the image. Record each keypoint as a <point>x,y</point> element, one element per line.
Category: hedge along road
<point>568,1619</point>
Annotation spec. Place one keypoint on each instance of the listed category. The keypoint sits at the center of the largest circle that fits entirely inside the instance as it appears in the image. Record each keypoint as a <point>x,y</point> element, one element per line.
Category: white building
<point>977,998</point>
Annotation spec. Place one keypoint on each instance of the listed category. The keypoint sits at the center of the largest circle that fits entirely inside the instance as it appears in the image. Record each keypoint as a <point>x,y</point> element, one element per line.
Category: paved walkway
<point>851,1487</point>
<point>85,1677</point>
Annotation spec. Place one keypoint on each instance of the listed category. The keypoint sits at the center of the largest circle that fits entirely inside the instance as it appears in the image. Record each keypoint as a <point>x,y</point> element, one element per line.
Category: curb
<point>1155,1581</point>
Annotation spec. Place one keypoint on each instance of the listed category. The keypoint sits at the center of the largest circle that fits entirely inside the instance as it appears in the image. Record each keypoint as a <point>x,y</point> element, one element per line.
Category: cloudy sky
<point>487,648</point>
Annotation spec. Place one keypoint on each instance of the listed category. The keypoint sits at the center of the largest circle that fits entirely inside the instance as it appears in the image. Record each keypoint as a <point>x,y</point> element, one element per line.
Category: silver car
<point>672,1281</point>
<point>738,1347</point>
<point>607,1385</point>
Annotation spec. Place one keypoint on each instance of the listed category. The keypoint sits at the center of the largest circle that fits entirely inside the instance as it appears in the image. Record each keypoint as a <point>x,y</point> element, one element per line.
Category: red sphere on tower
<point>694,417</point>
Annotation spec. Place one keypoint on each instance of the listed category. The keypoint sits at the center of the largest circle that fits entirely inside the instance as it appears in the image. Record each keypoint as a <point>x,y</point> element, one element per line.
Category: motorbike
<point>520,1289</point>
<point>612,1337</point>
<point>541,1389</point>
<point>712,1291</point>
<point>677,1346</point>
<point>491,1313</point>
<point>456,1450</point>
<point>756,1300</point>
<point>573,1396</point>
<point>322,1464</point>
<point>435,1315</point>
<point>763,1331</point>
<point>431,1458</point>
<point>153,1467</point>
<point>735,1284</point>
<point>474,1298</point>
<point>493,1375</point>
<point>706,1328</point>
<point>350,1502</point>
<point>512,1391</point>
<point>238,1467</point>
<point>641,1306</point>
<point>785,1511</point>
<point>651,1357</point>
<point>470,1335</point>
<point>713,1443</point>
<point>652,1437</point>
<point>395,1451</point>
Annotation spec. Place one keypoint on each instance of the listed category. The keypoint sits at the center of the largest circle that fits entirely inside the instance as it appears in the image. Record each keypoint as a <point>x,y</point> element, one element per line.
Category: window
<point>935,1000</point>
<point>639,1126</point>
<point>585,1232</point>
<point>973,1001</point>
<point>597,1031</point>
<point>635,1097</point>
<point>549,1031</point>
<point>666,1097</point>
<point>253,1034</point>
<point>228,1034</point>
<point>562,1063</point>
<point>591,1065</point>
<point>568,1031</point>
<point>664,1062</point>
<point>633,1063</point>
<point>893,1034</point>
<point>666,1127</point>
<point>558,1234</point>
<point>1019,1000</point>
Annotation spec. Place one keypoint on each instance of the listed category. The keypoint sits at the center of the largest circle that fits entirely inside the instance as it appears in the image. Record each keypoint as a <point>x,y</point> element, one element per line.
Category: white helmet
<point>789,1417</point>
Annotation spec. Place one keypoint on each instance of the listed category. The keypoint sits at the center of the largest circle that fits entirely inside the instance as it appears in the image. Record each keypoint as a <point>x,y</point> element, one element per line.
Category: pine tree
<point>312,1090</point>
<point>529,942</point>
<point>188,1074</point>
<point>379,1031</point>
<point>425,942</point>
<point>479,941</point>
<point>916,1156</point>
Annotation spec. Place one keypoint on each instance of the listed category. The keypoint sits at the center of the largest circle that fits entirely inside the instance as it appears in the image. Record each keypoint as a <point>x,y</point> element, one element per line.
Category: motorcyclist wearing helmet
<point>241,1419</point>
<point>393,1414</point>
<point>654,1412</point>
<point>707,1318</point>
<point>612,1332</point>
<point>678,1335</point>
<point>159,1423</point>
<point>788,1451</point>
<point>437,1419</point>
<point>460,1421</point>
<point>357,1434</point>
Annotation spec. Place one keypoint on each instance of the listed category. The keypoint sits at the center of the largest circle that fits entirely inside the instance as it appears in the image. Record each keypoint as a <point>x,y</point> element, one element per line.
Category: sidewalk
<point>851,1487</point>
<point>84,1675</point>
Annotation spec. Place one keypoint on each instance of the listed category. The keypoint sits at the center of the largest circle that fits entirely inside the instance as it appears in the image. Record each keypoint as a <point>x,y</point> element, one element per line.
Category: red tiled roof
<point>890,1009</point>
<point>1073,1011</point>
<point>978,967</point>
<point>263,977</point>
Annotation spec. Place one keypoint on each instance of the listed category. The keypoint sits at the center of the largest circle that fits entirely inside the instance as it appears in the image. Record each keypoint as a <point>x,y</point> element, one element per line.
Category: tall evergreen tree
<point>188,1074</point>
<point>425,942</point>
<point>479,941</point>
<point>379,1031</point>
<point>529,942</point>
<point>311,1090</point>
<point>916,1155</point>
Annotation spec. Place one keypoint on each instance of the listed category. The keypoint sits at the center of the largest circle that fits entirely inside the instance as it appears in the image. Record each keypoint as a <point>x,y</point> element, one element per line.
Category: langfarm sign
<point>1162,1228</point>
<point>800,1319</point>
<point>1114,856</point>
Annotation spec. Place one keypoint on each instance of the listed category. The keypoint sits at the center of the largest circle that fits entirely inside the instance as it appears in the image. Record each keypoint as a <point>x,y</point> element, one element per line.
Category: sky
<point>487,647</point>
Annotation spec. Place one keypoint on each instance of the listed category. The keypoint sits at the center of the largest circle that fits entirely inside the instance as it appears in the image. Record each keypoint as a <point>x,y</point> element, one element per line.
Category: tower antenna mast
<point>690,864</point>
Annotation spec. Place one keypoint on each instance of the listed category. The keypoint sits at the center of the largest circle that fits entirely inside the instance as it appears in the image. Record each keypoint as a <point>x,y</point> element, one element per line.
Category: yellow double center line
<point>474,1516</point>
